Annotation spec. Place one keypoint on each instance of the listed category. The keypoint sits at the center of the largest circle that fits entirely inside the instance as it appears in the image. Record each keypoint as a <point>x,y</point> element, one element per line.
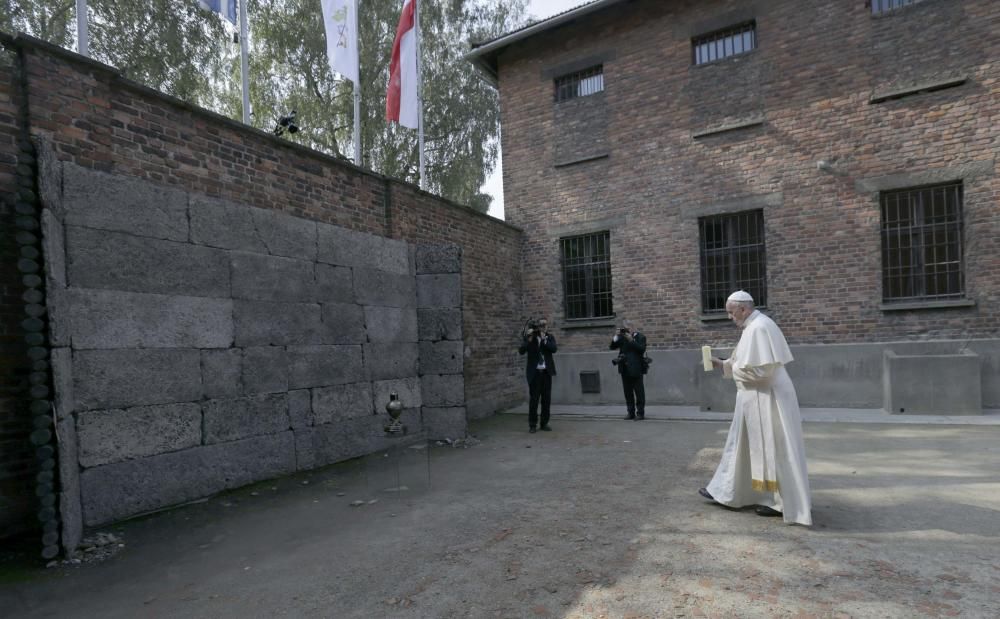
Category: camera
<point>286,123</point>
<point>622,330</point>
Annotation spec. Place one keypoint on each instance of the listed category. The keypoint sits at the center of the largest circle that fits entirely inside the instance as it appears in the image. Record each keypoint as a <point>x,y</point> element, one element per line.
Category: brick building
<point>836,159</point>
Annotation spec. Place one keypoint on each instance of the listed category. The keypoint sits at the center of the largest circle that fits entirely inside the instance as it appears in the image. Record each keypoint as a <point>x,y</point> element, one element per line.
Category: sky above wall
<point>538,9</point>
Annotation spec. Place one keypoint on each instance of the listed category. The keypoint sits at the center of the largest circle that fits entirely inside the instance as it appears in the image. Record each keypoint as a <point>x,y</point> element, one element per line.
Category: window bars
<point>732,258</point>
<point>884,6</point>
<point>922,243</point>
<point>724,43</point>
<point>586,267</point>
<point>580,84</point>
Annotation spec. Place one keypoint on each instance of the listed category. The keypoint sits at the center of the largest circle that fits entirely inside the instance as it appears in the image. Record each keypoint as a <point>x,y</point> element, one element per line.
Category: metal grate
<point>732,258</point>
<point>590,382</point>
<point>580,84</point>
<point>586,267</point>
<point>922,243</point>
<point>724,43</point>
<point>884,6</point>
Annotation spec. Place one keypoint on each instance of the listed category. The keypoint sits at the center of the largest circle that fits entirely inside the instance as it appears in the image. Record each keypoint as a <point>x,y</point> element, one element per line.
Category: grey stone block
<point>343,323</point>
<point>123,204</point>
<point>318,366</point>
<point>350,248</point>
<point>224,224</point>
<point>716,392</point>
<point>265,370</point>
<point>333,284</point>
<point>439,324</point>
<point>230,420</point>
<point>70,508</point>
<point>115,261</point>
<point>222,373</point>
<point>442,357</point>
<point>926,384</point>
<point>272,278</point>
<point>408,390</point>
<point>54,249</point>
<point>133,487</point>
<point>124,378</point>
<point>390,360</point>
<point>285,235</point>
<point>267,323</point>
<point>439,291</point>
<point>50,177</point>
<point>445,422</point>
<point>108,436</point>
<point>373,287</point>
<point>60,316</point>
<point>334,442</point>
<point>62,382</point>
<point>443,391</point>
<point>300,413</point>
<point>113,319</point>
<point>391,324</point>
<point>340,402</point>
<point>439,258</point>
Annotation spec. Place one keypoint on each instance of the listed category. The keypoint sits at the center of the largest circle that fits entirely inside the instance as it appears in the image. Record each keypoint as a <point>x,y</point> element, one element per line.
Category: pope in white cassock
<point>764,460</point>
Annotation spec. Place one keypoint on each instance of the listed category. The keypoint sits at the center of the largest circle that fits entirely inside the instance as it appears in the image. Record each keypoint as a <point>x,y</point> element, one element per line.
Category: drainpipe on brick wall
<point>34,326</point>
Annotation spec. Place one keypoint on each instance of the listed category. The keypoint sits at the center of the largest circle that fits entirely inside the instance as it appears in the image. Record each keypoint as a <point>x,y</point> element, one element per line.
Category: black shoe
<point>546,428</point>
<point>531,430</point>
<point>630,416</point>
<point>763,510</point>
<point>640,417</point>
<point>703,492</point>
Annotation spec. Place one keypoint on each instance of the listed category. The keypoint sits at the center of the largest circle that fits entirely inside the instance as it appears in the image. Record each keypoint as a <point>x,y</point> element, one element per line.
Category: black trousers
<point>635,395</point>
<point>540,387</point>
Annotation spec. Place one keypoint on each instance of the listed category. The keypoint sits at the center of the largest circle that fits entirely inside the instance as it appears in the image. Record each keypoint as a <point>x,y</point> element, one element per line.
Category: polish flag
<point>401,99</point>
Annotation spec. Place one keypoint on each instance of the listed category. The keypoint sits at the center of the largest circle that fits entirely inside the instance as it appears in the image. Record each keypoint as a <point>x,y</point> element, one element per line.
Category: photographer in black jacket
<point>631,363</point>
<point>539,345</point>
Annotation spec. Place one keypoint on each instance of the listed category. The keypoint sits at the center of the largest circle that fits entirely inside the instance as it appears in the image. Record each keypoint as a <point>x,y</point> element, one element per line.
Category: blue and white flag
<point>226,8</point>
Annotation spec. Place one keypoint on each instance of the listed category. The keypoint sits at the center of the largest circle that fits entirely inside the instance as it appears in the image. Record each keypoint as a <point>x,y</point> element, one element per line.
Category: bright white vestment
<point>764,460</point>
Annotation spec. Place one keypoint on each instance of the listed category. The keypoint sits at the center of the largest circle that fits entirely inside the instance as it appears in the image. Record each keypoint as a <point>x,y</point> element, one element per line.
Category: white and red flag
<point>402,102</point>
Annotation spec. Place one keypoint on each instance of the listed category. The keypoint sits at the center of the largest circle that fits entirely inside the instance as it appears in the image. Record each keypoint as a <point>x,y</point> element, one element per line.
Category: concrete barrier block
<point>62,382</point>
<point>343,323</point>
<point>116,491</point>
<point>373,287</point>
<point>300,414</point>
<point>928,384</point>
<point>268,323</point>
<point>334,442</point>
<point>272,278</point>
<point>390,360</point>
<point>391,324</point>
<point>344,247</point>
<point>408,390</point>
<point>231,420</point>
<point>447,422</point>
<point>444,357</point>
<point>123,204</point>
<point>286,235</point>
<point>319,366</point>
<point>443,391</point>
<point>438,258</point>
<point>333,284</point>
<point>340,402</point>
<point>264,370</point>
<point>113,319</point>
<point>224,224</point>
<point>108,436</point>
<point>222,373</point>
<point>439,324</point>
<point>438,291</point>
<point>115,261</point>
<point>126,378</point>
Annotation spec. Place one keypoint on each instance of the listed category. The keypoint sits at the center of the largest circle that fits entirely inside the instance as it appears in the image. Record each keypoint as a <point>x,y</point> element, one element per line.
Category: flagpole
<point>82,32</point>
<point>244,63</point>
<point>357,90</point>
<point>420,95</point>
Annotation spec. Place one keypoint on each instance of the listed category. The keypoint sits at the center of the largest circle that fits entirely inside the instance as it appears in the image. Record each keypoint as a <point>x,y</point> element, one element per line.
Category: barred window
<point>586,267</point>
<point>580,84</point>
<point>922,243</point>
<point>884,6</point>
<point>724,43</point>
<point>732,258</point>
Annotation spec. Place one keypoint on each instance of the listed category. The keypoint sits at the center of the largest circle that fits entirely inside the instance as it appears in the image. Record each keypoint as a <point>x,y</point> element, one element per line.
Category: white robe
<point>764,460</point>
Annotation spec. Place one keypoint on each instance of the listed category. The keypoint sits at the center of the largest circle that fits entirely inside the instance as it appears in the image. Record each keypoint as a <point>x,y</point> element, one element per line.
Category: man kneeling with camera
<point>632,364</point>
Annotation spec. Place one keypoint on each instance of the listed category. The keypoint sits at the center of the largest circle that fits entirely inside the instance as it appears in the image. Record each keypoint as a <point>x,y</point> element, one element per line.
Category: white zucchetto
<point>740,296</point>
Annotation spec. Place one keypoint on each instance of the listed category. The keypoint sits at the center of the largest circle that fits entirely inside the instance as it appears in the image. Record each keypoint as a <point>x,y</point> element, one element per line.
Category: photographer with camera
<point>539,345</point>
<point>632,364</point>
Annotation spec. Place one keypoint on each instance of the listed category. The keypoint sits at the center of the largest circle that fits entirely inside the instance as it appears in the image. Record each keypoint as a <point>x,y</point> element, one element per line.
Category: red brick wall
<point>812,75</point>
